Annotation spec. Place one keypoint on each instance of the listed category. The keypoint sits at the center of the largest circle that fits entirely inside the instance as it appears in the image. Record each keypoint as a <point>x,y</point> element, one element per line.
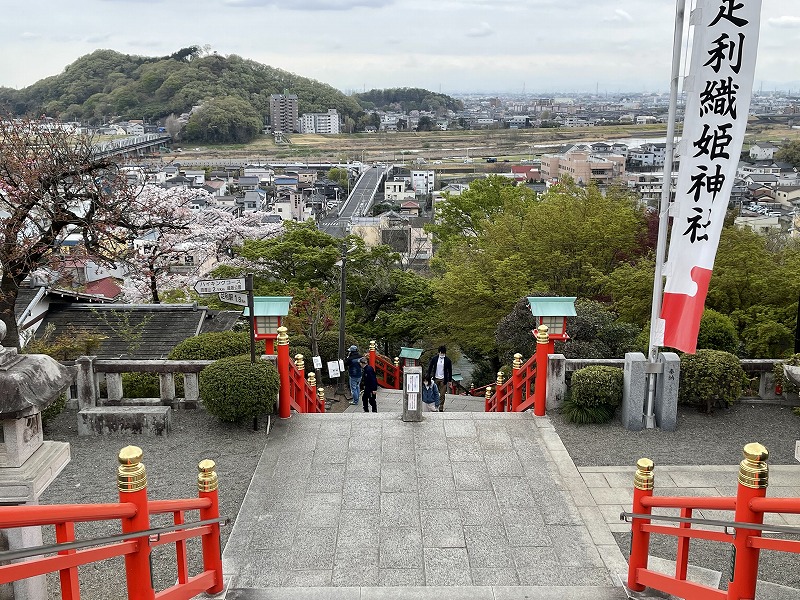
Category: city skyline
<point>452,46</point>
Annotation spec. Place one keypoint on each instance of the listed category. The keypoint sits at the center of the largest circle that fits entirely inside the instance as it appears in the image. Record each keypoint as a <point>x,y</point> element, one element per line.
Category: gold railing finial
<point>283,336</point>
<point>206,475</point>
<point>644,478</point>
<point>753,470</point>
<point>131,474</point>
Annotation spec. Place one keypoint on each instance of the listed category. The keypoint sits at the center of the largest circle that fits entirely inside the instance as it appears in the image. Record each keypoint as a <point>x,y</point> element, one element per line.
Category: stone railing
<point>559,367</point>
<point>92,370</point>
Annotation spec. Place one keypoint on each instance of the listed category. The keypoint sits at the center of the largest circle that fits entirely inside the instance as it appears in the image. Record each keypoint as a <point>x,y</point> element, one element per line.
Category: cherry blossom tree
<point>55,183</point>
<point>175,258</point>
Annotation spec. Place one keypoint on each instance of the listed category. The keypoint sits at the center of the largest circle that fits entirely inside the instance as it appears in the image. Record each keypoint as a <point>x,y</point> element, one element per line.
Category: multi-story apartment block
<point>323,123</point>
<point>580,163</point>
<point>283,112</point>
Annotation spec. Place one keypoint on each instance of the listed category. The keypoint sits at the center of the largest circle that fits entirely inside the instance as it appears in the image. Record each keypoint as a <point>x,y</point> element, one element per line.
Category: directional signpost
<point>233,298</point>
<point>228,289</point>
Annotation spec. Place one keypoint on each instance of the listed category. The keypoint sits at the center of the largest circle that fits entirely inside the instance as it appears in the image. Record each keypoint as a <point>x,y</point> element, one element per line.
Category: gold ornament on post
<point>283,336</point>
<point>131,474</point>
<point>299,362</point>
<point>206,476</point>
<point>753,470</point>
<point>517,361</point>
<point>372,346</point>
<point>499,380</point>
<point>312,379</point>
<point>644,478</point>
<point>541,335</point>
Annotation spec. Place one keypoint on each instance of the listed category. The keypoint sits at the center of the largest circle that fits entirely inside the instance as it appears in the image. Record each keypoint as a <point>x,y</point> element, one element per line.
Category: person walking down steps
<point>430,395</point>
<point>353,365</point>
<point>440,369</point>
<point>370,379</point>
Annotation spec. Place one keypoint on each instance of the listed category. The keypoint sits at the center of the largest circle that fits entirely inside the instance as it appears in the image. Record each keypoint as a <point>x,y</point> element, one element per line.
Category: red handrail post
<point>488,400</point>
<point>300,365</point>
<point>640,539</point>
<point>132,485</point>
<point>212,553</point>
<point>321,399</point>
<point>753,480</point>
<point>372,353</point>
<point>516,382</point>
<point>397,382</point>
<point>544,346</point>
<point>284,395</point>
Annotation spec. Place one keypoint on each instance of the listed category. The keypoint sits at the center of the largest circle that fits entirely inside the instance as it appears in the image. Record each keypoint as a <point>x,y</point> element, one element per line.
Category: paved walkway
<point>462,499</point>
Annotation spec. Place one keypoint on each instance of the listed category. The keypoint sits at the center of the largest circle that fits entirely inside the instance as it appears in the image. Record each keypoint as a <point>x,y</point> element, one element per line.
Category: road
<point>357,204</point>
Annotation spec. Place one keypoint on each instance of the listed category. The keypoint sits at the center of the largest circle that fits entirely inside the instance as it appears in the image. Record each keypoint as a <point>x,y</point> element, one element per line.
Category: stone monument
<point>793,375</point>
<point>29,383</point>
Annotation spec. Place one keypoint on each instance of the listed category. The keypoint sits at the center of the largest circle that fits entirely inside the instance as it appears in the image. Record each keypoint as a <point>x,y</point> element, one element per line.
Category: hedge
<point>234,390</point>
<point>710,378</point>
<point>595,393</point>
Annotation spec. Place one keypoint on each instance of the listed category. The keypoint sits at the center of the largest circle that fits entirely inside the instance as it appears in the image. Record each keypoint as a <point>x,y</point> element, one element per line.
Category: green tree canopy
<point>224,120</point>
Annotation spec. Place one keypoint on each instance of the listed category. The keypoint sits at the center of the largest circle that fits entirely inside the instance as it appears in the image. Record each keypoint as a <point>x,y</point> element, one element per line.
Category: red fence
<point>137,539</point>
<point>517,393</point>
<point>748,506</point>
<point>296,392</point>
<point>387,371</point>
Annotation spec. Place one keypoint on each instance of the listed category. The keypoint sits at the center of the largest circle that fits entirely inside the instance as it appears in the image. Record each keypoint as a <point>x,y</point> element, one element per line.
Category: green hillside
<point>407,99</point>
<point>106,84</point>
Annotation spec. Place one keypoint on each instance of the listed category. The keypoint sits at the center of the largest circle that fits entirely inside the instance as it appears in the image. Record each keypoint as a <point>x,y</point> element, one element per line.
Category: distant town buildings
<point>322,123</point>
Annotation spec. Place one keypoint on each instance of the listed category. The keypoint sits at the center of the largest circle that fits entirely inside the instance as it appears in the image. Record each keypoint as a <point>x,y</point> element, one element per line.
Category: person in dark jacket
<point>353,365</point>
<point>369,397</point>
<point>440,370</point>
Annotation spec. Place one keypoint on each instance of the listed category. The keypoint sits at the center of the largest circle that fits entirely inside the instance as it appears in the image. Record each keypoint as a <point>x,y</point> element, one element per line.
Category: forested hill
<point>407,99</point>
<point>107,84</point>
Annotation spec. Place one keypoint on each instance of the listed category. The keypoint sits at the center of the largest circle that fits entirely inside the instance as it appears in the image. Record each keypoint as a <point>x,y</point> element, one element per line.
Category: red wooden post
<point>312,384</point>
<point>212,553</point>
<point>372,353</point>
<point>284,396</point>
<point>300,365</point>
<point>516,382</point>
<point>543,347</point>
<point>70,588</point>
<point>753,480</point>
<point>180,550</point>
<point>132,485</point>
<point>640,540</point>
<point>397,381</point>
<point>487,398</point>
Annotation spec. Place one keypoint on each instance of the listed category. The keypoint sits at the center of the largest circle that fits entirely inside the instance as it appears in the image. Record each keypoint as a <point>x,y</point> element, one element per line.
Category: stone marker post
<point>412,394</point>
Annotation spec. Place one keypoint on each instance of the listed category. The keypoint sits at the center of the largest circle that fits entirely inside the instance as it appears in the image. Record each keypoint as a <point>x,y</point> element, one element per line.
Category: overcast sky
<point>449,45</point>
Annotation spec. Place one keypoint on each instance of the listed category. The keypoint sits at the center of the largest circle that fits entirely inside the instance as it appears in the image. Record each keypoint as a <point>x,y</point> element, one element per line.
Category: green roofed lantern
<point>269,312</point>
<point>410,356</point>
<point>553,312</point>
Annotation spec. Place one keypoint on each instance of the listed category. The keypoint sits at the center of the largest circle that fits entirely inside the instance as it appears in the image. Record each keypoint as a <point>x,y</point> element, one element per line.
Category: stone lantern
<point>29,383</point>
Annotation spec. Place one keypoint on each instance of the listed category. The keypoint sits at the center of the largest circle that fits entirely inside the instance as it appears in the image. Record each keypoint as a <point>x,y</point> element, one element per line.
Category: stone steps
<point>431,593</point>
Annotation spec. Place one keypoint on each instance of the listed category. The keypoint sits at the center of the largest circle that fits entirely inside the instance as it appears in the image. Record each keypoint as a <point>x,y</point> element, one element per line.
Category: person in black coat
<point>440,370</point>
<point>370,380</point>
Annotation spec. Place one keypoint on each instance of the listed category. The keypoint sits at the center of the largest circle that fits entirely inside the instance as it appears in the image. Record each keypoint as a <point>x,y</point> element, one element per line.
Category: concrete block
<point>19,439</point>
<point>140,420</point>
<point>412,394</point>
<point>87,387</point>
<point>166,384</point>
<point>666,404</point>
<point>633,393</point>
<point>114,387</point>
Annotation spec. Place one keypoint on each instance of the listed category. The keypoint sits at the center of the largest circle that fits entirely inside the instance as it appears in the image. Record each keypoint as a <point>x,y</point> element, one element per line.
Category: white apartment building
<point>322,123</point>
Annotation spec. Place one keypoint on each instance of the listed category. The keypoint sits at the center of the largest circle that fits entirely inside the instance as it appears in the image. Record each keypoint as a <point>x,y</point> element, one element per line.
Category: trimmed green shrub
<point>214,345</point>
<point>710,378</point>
<point>304,350</point>
<point>595,393</point>
<point>140,385</point>
<point>234,390</point>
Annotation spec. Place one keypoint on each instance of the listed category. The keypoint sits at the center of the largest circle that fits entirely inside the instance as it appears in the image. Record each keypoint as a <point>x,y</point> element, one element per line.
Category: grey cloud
<point>309,5</point>
<point>482,30</point>
<point>619,15</point>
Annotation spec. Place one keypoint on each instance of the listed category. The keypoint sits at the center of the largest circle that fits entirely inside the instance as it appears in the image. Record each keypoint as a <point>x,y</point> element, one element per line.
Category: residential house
<point>216,187</point>
<point>321,123</point>
<point>788,194</point>
<point>422,182</point>
<point>763,151</point>
<point>247,183</point>
<point>409,208</point>
<point>404,234</point>
<point>396,191</point>
<point>179,181</point>
<point>286,183</point>
<point>254,200</point>
<point>290,206</point>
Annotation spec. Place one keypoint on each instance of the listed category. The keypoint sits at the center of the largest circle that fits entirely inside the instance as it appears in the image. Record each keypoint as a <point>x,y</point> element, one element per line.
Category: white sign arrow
<point>213,286</point>
<point>233,298</point>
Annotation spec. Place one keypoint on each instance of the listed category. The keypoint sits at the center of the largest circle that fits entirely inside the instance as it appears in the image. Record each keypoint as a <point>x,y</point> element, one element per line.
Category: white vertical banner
<point>718,91</point>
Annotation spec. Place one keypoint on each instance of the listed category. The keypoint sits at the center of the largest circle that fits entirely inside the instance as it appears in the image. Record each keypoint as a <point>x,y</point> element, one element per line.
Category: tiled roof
<point>106,287</point>
<point>144,331</point>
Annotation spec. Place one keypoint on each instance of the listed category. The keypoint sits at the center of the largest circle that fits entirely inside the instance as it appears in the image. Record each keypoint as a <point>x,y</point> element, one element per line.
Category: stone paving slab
<point>362,501</point>
<point>498,592</point>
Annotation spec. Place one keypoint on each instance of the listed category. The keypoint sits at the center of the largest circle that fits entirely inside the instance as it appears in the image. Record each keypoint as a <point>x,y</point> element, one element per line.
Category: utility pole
<point>340,386</point>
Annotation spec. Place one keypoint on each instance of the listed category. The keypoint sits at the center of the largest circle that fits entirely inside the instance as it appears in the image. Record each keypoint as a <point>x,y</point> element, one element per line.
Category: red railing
<point>387,371</point>
<point>748,506</point>
<point>515,394</point>
<point>303,392</point>
<point>136,542</point>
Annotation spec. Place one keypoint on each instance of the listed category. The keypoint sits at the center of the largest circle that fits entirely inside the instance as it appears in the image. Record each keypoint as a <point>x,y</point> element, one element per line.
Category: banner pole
<point>663,211</point>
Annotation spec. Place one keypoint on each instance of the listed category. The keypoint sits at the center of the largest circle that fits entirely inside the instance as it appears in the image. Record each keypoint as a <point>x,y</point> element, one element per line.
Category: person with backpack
<point>353,366</point>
